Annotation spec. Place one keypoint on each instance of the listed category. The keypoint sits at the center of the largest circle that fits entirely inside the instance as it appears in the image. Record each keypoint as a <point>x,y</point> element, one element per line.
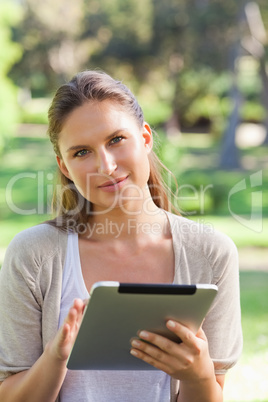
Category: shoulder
<point>203,241</point>
<point>40,236</point>
<point>38,243</point>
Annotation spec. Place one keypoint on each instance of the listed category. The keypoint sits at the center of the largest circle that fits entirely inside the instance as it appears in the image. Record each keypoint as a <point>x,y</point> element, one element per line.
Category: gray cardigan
<point>31,279</point>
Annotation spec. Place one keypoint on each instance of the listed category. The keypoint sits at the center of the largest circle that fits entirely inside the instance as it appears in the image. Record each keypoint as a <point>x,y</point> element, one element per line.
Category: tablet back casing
<point>116,312</point>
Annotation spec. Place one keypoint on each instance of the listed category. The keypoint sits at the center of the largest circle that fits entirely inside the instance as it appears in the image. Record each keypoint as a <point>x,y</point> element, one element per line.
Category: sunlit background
<point>199,68</point>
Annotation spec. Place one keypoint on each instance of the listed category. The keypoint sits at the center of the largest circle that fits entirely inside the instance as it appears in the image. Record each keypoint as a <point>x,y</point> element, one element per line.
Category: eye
<point>116,139</point>
<point>81,153</point>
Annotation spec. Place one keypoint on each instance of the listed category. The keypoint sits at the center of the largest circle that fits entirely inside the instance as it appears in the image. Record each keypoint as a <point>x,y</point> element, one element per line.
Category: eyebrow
<point>109,137</point>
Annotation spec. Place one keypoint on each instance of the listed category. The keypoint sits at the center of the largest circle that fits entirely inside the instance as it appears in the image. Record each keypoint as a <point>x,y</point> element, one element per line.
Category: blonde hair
<point>96,86</point>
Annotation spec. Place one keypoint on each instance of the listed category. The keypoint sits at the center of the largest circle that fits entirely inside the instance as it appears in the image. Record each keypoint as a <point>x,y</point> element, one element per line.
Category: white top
<point>103,386</point>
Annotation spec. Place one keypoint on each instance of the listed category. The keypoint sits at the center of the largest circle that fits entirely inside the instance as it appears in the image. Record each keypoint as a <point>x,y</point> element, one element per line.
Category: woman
<point>113,223</point>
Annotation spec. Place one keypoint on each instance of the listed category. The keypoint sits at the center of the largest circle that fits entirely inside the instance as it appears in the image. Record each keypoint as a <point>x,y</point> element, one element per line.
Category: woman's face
<point>105,153</point>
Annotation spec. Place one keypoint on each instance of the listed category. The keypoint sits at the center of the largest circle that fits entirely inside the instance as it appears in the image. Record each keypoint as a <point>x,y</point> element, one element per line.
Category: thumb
<point>201,334</point>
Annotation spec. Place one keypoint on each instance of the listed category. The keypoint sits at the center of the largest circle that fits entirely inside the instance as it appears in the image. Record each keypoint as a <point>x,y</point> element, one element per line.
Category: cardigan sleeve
<point>20,311</point>
<point>223,322</point>
<point>30,285</point>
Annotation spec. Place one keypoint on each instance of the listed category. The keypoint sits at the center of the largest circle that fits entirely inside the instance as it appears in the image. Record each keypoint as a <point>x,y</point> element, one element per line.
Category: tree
<point>167,51</point>
<point>256,44</point>
<point>10,52</point>
<point>50,36</point>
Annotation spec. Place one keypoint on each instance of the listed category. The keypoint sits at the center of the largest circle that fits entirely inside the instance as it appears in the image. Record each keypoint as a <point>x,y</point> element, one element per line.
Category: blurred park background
<point>199,69</point>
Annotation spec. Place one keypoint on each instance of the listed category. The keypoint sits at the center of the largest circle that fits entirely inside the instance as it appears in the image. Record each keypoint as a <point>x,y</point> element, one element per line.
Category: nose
<point>106,163</point>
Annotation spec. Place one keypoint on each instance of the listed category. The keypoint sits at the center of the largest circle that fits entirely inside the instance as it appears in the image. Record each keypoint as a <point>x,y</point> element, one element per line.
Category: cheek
<point>137,153</point>
<point>79,169</point>
<point>86,185</point>
<point>144,159</point>
<point>87,181</point>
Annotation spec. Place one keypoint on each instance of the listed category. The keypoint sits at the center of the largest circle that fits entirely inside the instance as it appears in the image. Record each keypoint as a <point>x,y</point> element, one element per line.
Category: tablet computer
<point>117,311</point>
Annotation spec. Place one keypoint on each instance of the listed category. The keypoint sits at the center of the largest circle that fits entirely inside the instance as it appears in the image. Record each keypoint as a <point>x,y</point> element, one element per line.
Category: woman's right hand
<point>22,386</point>
<point>61,346</point>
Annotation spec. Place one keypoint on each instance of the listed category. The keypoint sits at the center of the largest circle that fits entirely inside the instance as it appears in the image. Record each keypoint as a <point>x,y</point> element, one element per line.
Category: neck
<point>129,225</point>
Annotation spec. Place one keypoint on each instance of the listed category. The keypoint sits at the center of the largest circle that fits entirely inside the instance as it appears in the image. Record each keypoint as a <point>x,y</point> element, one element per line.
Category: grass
<point>255,234</point>
<point>27,175</point>
<point>247,381</point>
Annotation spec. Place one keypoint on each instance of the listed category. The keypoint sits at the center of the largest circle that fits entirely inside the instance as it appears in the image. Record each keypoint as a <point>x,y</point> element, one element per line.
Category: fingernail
<point>171,324</point>
<point>135,343</point>
<point>144,334</point>
<point>133,352</point>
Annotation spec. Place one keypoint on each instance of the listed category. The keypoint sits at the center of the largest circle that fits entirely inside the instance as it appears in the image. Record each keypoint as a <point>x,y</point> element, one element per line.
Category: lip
<point>113,185</point>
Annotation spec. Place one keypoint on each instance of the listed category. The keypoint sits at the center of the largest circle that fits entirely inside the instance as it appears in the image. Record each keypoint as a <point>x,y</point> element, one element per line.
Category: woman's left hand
<point>185,361</point>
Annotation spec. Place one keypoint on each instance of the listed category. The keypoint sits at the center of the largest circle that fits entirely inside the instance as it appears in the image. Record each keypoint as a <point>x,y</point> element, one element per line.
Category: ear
<point>63,167</point>
<point>147,137</point>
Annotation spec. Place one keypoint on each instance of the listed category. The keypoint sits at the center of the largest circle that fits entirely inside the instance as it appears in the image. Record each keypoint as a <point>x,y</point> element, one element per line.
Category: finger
<point>156,349</point>
<point>182,332</point>
<point>79,305</point>
<point>75,313</point>
<point>151,361</point>
<point>64,334</point>
<point>159,342</point>
<point>153,356</point>
<point>69,329</point>
<point>71,317</point>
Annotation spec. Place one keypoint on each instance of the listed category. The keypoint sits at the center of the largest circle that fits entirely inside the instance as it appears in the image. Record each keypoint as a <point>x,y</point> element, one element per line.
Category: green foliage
<point>153,100</point>
<point>10,53</point>
<point>253,111</point>
<point>202,188</point>
<point>28,169</point>
<point>34,111</point>
<point>119,24</point>
<point>204,97</point>
<point>173,54</point>
<point>8,110</point>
